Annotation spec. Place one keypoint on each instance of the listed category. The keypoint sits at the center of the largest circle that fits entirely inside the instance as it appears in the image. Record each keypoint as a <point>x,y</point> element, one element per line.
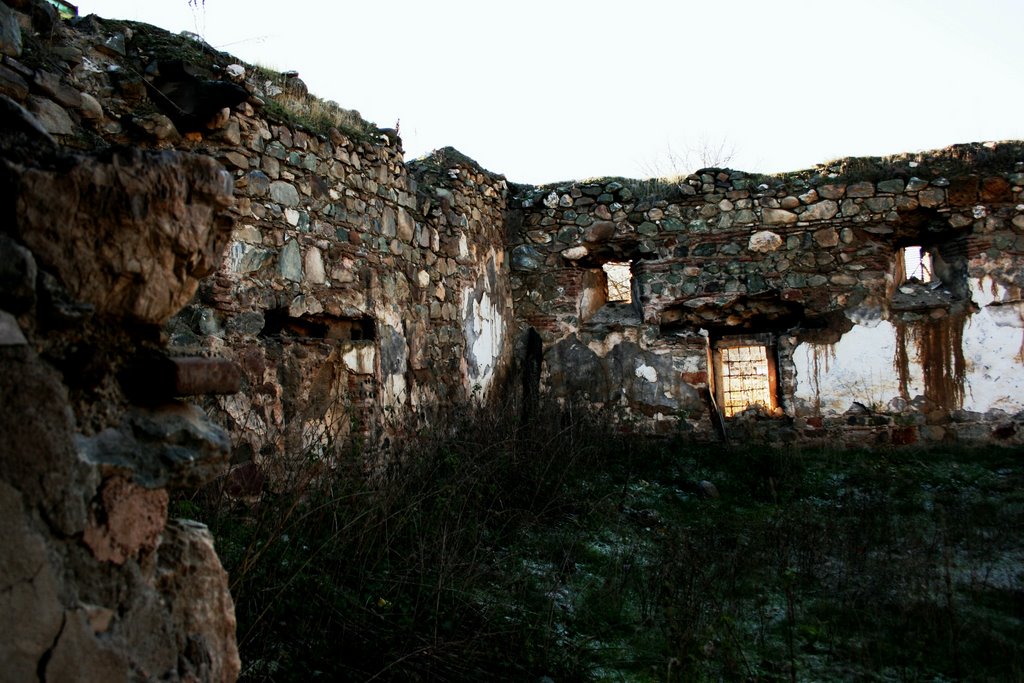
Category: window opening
<point>745,377</point>
<point>917,264</point>
<point>620,281</point>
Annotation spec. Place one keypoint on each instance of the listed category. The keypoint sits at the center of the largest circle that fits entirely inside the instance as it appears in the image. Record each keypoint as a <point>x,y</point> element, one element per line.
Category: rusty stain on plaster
<point>938,344</point>
<point>823,356</point>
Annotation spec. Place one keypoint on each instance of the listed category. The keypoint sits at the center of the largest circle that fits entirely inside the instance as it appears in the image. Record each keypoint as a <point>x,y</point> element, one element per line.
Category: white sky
<point>548,90</point>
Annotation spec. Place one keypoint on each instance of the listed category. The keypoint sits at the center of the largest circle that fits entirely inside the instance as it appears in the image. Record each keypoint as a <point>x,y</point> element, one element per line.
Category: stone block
<point>54,117</point>
<point>764,241</point>
<point>861,189</point>
<point>826,237</point>
<point>778,217</point>
<point>291,261</point>
<point>12,84</point>
<point>879,204</point>
<point>284,193</point>
<point>820,211</point>
<point>30,610</point>
<point>995,189</point>
<point>52,220</point>
<point>63,94</point>
<point>171,444</point>
<point>931,197</point>
<point>10,32</point>
<point>832,190</point>
<point>10,332</point>
<point>130,521</point>
<point>894,186</point>
<point>963,190</point>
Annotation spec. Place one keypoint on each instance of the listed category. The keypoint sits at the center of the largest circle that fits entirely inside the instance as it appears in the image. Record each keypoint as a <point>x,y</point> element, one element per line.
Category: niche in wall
<point>278,323</point>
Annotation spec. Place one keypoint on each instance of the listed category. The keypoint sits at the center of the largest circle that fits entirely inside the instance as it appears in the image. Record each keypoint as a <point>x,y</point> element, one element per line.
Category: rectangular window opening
<point>620,281</point>
<point>745,377</point>
<point>917,265</point>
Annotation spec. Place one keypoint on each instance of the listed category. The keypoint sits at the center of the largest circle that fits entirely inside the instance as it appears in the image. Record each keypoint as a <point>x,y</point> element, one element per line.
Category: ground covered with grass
<point>560,552</point>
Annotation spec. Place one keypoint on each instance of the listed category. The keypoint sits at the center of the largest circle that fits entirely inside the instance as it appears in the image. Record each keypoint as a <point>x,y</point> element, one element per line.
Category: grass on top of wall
<point>298,108</point>
<point>565,550</point>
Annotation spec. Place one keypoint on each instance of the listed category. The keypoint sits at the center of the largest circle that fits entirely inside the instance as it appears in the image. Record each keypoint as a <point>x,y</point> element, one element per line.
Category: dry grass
<point>288,101</point>
<point>493,551</point>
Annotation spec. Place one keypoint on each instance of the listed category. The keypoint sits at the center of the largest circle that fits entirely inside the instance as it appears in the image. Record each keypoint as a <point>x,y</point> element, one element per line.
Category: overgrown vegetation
<point>289,103</point>
<point>286,98</point>
<point>495,552</point>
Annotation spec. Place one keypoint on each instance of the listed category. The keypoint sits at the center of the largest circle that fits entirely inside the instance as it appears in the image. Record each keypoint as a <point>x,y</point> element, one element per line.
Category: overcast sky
<point>547,90</point>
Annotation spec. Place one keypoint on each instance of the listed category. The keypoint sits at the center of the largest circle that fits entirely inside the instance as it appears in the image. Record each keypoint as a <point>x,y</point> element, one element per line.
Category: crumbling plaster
<point>805,261</point>
<point>440,267</point>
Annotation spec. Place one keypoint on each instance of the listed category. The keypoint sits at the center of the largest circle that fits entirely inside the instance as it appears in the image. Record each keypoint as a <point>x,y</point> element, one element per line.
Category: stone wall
<point>98,582</point>
<point>361,296</point>
<point>98,249</point>
<point>347,299</point>
<point>365,297</point>
<point>807,265</point>
<point>358,294</point>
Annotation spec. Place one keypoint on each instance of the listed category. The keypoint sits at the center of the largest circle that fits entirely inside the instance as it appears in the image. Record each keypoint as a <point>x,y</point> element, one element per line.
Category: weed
<point>287,101</point>
<point>490,550</point>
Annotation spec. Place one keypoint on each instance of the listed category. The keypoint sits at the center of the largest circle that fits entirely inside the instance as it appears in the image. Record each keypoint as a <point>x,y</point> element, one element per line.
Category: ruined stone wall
<point>359,295</point>
<point>98,250</point>
<point>805,264</point>
<point>348,297</point>
<point>363,298</point>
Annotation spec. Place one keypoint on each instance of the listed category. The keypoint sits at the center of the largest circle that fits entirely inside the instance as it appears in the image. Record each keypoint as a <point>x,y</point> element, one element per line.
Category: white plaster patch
<point>360,359</point>
<point>985,291</point>
<point>393,385</point>
<point>394,390</point>
<point>1007,315</point>
<point>602,346</point>
<point>485,328</point>
<point>693,363</point>
<point>859,367</point>
<point>648,373</point>
<point>995,375</point>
